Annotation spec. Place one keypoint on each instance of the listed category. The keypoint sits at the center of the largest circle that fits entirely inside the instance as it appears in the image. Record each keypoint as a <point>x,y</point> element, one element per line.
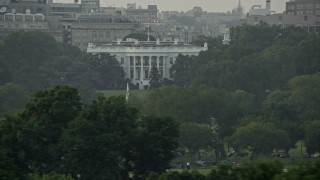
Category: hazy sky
<point>208,5</point>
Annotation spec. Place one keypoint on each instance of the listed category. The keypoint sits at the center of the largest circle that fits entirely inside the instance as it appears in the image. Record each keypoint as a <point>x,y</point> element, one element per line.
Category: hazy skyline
<point>207,5</point>
<point>185,5</point>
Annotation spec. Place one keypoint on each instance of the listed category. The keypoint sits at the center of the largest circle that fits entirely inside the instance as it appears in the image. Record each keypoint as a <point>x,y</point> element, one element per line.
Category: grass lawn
<point>138,93</point>
<point>204,171</point>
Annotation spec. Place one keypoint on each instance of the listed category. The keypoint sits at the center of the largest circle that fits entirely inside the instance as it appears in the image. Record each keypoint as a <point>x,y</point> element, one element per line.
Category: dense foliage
<point>100,140</point>
<point>267,74</point>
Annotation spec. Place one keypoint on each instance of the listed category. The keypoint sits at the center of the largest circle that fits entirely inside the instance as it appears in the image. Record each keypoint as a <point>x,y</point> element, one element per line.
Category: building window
<point>305,18</point>
<point>131,73</point>
<point>146,74</point>
<point>171,60</point>
<point>299,6</point>
<point>138,62</point>
<point>161,62</point>
<point>146,62</point>
<point>107,34</point>
<point>299,12</point>
<point>309,6</point>
<point>131,61</point>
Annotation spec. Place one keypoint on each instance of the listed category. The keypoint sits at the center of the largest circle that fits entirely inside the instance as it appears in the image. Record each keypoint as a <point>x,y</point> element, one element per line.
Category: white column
<point>128,66</point>
<point>150,57</point>
<point>134,68</point>
<point>164,66</point>
<point>158,62</point>
<point>141,70</point>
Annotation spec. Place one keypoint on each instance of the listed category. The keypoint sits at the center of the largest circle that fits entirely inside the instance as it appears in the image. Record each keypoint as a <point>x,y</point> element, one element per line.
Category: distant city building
<point>137,58</point>
<point>257,10</point>
<point>142,15</point>
<point>90,6</point>
<point>303,7</point>
<point>309,22</point>
<point>100,28</point>
<point>226,37</point>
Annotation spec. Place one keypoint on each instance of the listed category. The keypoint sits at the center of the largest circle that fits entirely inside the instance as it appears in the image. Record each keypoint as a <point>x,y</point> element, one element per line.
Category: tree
<point>12,97</point>
<point>181,71</point>
<point>305,96</point>
<point>44,118</point>
<point>260,137</point>
<point>154,145</point>
<point>312,136</point>
<point>5,71</point>
<point>29,49</point>
<point>8,169</point>
<point>154,78</point>
<point>280,111</point>
<point>95,144</point>
<point>12,146</point>
<point>307,56</point>
<point>50,176</point>
<point>235,105</point>
<point>195,136</point>
<point>109,73</point>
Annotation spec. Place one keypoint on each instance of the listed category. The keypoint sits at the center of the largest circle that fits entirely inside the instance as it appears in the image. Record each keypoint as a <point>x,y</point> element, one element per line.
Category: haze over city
<point>185,5</point>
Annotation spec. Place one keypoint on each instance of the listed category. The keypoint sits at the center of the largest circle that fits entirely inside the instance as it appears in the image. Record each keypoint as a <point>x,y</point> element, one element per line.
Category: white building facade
<point>137,58</point>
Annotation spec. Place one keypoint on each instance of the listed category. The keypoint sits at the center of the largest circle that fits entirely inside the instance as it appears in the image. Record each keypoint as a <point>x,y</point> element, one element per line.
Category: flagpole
<point>127,93</point>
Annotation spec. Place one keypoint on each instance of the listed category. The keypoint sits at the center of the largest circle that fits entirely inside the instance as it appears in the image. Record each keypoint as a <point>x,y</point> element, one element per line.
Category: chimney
<point>268,5</point>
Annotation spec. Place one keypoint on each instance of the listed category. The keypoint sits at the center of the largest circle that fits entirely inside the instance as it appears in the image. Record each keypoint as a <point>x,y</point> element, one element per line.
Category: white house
<point>137,57</point>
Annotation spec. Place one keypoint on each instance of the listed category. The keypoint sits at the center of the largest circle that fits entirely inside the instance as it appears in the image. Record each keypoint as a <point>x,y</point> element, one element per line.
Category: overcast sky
<point>207,5</point>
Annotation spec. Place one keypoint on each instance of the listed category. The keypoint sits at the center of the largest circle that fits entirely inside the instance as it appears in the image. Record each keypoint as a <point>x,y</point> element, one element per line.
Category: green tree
<point>279,110</point>
<point>312,136</point>
<point>45,117</point>
<point>235,105</point>
<point>8,169</point>
<point>154,78</point>
<point>196,136</point>
<point>109,73</point>
<point>29,49</point>
<point>12,145</point>
<point>308,171</point>
<point>5,71</point>
<point>96,143</point>
<point>50,176</point>
<point>13,97</point>
<point>155,142</point>
<point>261,170</point>
<point>306,60</point>
<point>260,137</point>
<point>181,70</point>
<point>305,96</point>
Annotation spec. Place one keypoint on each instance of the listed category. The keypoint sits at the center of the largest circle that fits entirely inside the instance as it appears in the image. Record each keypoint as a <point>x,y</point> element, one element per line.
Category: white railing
<point>97,49</point>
